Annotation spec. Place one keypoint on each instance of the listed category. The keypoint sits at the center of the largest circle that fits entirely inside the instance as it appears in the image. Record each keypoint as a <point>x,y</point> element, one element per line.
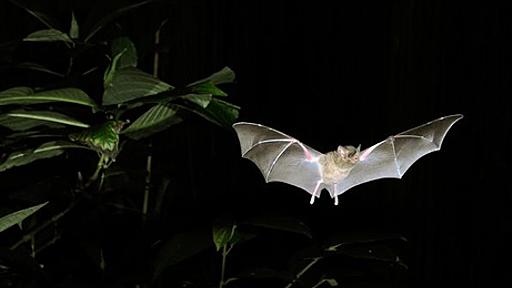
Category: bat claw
<point>336,200</point>
<point>312,199</point>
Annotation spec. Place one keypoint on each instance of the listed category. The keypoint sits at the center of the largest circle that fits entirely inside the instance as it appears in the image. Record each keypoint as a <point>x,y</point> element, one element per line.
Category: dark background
<point>344,73</point>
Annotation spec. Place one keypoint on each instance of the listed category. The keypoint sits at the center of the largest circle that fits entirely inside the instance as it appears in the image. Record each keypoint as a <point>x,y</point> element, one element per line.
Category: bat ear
<point>358,148</point>
<point>342,150</point>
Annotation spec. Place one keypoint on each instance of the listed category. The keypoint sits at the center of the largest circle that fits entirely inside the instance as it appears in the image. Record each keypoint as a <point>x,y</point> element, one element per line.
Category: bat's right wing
<point>392,157</point>
<point>280,157</point>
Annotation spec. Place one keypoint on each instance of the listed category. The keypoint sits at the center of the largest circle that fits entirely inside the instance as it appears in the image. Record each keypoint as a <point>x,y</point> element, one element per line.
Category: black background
<point>344,72</point>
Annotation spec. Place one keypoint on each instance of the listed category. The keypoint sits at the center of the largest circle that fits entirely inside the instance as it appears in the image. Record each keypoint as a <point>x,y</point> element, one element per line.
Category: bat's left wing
<point>392,157</point>
<point>280,157</point>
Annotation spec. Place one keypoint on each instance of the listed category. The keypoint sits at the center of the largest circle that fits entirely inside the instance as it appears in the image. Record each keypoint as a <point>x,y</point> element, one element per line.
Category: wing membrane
<point>279,157</point>
<point>392,157</point>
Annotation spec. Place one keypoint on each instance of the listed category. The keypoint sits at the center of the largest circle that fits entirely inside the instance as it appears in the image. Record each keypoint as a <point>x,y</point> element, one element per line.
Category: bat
<point>283,158</point>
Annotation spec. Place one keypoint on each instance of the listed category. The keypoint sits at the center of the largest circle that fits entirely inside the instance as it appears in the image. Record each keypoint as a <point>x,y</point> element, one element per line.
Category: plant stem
<point>313,262</point>
<point>96,173</point>
<point>156,56</point>
<point>225,252</point>
<point>318,284</point>
<point>29,237</point>
<point>147,182</point>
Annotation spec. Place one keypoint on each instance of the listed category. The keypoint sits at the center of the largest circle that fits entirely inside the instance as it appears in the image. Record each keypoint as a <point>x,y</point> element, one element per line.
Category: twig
<point>48,244</point>
<point>225,252</point>
<point>147,182</point>
<point>29,237</point>
<point>313,262</point>
<point>149,158</point>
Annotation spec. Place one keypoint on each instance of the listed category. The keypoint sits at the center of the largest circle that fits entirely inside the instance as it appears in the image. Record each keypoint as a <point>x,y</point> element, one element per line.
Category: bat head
<point>349,153</point>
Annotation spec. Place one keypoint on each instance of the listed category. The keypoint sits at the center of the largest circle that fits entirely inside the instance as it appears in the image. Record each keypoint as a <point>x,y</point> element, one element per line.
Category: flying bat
<point>283,158</point>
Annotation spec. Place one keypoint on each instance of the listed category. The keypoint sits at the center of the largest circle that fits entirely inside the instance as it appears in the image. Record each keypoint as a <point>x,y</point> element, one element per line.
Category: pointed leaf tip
<point>17,217</point>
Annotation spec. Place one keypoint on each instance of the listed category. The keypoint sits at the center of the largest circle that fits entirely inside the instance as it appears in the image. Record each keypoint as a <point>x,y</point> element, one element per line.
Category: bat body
<point>285,159</point>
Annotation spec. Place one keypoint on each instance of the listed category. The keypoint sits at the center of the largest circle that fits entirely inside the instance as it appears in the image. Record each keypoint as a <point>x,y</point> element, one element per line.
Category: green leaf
<point>377,252</point>
<point>339,240</point>
<point>47,150</point>
<point>203,100</point>
<point>25,95</point>
<point>23,136</point>
<point>330,281</point>
<point>218,112</point>
<point>43,18</point>
<point>208,88</point>
<point>179,248</point>
<point>38,67</point>
<point>17,217</point>
<point>156,119</point>
<point>48,35</point>
<point>103,138</point>
<point>225,75</point>
<point>129,84</point>
<point>106,19</point>
<point>48,116</point>
<point>223,112</point>
<point>224,234</point>
<point>74,30</point>
<point>264,273</point>
<point>287,224</point>
<point>15,91</point>
<point>129,57</point>
<point>23,124</point>
<point>108,76</point>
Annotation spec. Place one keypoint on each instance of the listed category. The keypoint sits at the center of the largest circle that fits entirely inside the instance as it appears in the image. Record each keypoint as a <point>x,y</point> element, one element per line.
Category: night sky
<point>330,74</point>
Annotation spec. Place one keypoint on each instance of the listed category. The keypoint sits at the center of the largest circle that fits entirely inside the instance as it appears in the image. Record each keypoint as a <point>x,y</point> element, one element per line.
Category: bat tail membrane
<point>392,157</point>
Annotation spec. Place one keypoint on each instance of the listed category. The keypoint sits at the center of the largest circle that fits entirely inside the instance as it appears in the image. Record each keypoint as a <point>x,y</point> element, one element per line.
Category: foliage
<point>103,108</point>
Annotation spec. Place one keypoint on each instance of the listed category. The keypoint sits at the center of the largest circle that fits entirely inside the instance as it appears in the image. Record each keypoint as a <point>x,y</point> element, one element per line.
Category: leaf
<point>131,83</point>
<point>286,224</point>
<point>108,76</point>
<point>23,136</point>
<point>208,88</point>
<point>225,75</point>
<point>203,100</point>
<point>23,124</point>
<point>346,238</point>
<point>25,95</point>
<point>223,234</point>
<point>16,91</point>
<point>264,273</point>
<point>330,281</point>
<point>179,248</point>
<point>48,116</point>
<point>103,138</point>
<point>74,29</point>
<point>43,18</point>
<point>46,150</point>
<point>48,35</point>
<point>17,217</point>
<point>224,113</point>
<point>129,57</point>
<point>374,251</point>
<point>218,112</point>
<point>101,23</point>
<point>38,67</point>
<point>156,119</point>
